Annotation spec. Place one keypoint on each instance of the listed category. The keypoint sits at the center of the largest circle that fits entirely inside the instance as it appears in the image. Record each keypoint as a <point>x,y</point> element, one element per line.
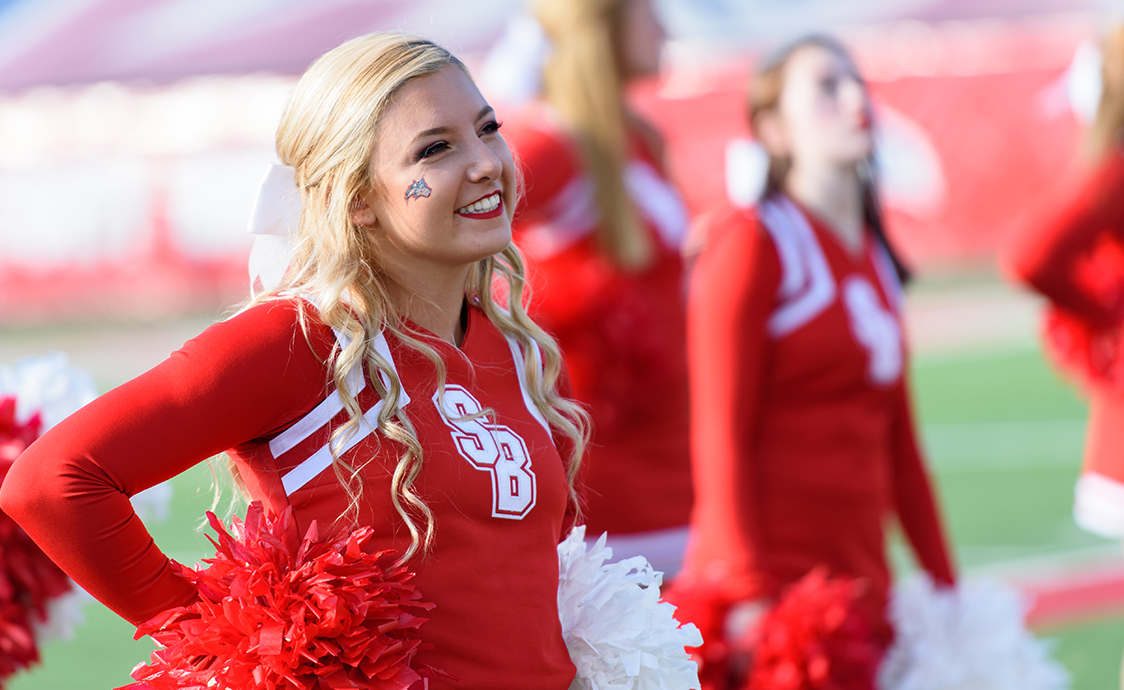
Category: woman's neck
<point>834,195</point>
<point>435,304</point>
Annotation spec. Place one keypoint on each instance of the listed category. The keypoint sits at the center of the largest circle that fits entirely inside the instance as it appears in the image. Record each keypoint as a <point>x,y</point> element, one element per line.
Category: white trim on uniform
<point>323,414</point>
<point>319,416</point>
<point>1098,505</point>
<point>807,284</point>
<point>657,201</point>
<point>322,459</point>
<point>517,357</point>
<point>888,276</point>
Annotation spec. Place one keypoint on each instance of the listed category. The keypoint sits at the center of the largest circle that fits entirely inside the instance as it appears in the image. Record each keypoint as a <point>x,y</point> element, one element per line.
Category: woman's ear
<point>771,135</point>
<point>362,211</point>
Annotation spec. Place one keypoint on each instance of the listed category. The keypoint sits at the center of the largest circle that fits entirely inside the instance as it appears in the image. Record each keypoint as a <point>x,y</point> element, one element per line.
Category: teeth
<point>485,205</point>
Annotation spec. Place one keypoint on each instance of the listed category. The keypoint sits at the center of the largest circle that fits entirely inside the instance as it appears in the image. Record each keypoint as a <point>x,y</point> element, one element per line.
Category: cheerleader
<point>601,227</point>
<point>1075,258</point>
<point>802,436</point>
<point>380,385</point>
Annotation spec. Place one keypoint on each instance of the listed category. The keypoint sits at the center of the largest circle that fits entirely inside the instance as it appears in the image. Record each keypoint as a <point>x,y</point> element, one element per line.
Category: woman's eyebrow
<point>485,111</point>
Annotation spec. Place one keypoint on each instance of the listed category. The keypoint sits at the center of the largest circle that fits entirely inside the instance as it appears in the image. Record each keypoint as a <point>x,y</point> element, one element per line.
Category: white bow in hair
<point>274,219</point>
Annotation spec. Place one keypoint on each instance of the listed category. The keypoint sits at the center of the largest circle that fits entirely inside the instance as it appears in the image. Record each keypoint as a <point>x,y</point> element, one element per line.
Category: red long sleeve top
<point>1075,257</point>
<point>622,333</point>
<point>801,430</point>
<point>256,387</point>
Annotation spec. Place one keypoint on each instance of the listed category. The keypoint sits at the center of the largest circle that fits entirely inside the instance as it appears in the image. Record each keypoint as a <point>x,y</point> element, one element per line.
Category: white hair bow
<point>274,219</point>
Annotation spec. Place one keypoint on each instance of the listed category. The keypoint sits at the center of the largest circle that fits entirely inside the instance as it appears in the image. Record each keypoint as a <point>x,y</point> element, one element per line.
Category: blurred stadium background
<point>133,134</point>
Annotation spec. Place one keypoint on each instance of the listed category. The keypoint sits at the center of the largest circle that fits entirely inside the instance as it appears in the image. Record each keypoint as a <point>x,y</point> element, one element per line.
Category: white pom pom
<point>154,504</point>
<point>48,385</point>
<point>64,615</point>
<point>964,639</point>
<point>620,635</point>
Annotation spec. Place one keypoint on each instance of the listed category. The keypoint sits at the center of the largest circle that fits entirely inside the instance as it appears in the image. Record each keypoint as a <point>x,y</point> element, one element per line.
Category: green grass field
<point>1004,435</point>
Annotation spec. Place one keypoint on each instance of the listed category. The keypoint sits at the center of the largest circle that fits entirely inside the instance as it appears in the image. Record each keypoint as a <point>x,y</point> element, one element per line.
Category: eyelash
<point>433,149</point>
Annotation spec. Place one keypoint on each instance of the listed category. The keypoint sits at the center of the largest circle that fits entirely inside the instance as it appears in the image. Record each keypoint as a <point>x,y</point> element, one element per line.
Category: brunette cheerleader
<point>802,436</point>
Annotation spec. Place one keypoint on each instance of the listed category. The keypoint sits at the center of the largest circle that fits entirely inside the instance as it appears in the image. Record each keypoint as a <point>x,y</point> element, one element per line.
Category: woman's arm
<point>913,496</point>
<point>1047,257</point>
<point>240,380</point>
<point>733,289</point>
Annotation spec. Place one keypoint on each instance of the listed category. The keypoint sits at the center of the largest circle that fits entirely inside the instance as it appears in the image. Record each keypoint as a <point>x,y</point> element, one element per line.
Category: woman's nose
<point>486,164</point>
<point>853,96</point>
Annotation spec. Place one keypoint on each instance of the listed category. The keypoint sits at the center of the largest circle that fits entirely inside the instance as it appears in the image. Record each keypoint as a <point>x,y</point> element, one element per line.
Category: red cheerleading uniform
<point>256,387</point>
<point>622,333</point>
<point>1076,259</point>
<point>802,435</point>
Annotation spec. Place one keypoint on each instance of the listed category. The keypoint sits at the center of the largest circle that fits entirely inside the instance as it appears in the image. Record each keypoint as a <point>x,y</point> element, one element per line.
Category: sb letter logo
<point>492,448</point>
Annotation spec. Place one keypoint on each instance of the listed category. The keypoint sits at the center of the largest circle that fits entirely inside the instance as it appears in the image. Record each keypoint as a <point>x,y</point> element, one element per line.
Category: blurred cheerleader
<point>379,386</point>
<point>802,435</point>
<point>601,227</point>
<point>1076,259</point>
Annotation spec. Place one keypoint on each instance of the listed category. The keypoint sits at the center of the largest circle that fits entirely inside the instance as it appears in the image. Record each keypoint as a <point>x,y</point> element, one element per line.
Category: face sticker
<point>417,189</point>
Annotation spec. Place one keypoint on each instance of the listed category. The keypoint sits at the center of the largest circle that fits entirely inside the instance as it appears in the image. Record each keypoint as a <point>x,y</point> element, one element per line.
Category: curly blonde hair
<point>326,134</point>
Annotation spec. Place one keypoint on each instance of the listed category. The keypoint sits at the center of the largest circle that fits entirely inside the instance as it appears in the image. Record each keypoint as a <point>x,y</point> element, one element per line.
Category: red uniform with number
<point>622,333</point>
<point>256,387</point>
<point>801,430</point>
<point>1076,259</point>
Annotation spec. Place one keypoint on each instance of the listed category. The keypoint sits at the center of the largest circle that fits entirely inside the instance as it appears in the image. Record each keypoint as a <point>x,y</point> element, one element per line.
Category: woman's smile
<point>488,206</point>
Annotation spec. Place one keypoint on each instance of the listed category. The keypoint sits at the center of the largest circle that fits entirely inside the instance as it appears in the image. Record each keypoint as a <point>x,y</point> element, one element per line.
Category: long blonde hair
<point>327,133</point>
<point>583,80</point>
<point>1105,132</point>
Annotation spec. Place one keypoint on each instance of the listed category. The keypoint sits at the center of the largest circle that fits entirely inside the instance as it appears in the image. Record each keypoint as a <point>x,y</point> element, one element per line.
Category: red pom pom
<point>1089,355</point>
<point>815,639</point>
<point>274,616</point>
<point>14,437</point>
<point>28,579</point>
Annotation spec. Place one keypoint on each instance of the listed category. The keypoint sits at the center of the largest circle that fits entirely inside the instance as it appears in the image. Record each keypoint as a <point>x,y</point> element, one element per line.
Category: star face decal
<point>417,190</point>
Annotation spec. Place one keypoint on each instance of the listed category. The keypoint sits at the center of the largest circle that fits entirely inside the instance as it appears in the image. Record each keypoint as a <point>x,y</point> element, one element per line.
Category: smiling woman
<point>380,386</point>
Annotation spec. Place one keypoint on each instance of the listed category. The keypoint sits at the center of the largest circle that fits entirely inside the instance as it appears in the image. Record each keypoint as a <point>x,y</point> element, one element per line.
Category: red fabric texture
<point>799,457</point>
<point>493,580</point>
<point>1074,256</point>
<point>327,614</point>
<point>622,333</point>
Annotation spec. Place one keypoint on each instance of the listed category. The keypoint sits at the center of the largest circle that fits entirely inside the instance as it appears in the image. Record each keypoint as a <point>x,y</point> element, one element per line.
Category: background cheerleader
<point>382,386</point>
<point>802,435</point>
<point>1076,259</point>
<point>601,228</point>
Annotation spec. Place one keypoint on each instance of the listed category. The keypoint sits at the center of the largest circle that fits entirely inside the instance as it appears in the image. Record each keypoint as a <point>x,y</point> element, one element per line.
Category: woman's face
<point>642,38</point>
<point>443,179</point>
<point>824,113</point>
